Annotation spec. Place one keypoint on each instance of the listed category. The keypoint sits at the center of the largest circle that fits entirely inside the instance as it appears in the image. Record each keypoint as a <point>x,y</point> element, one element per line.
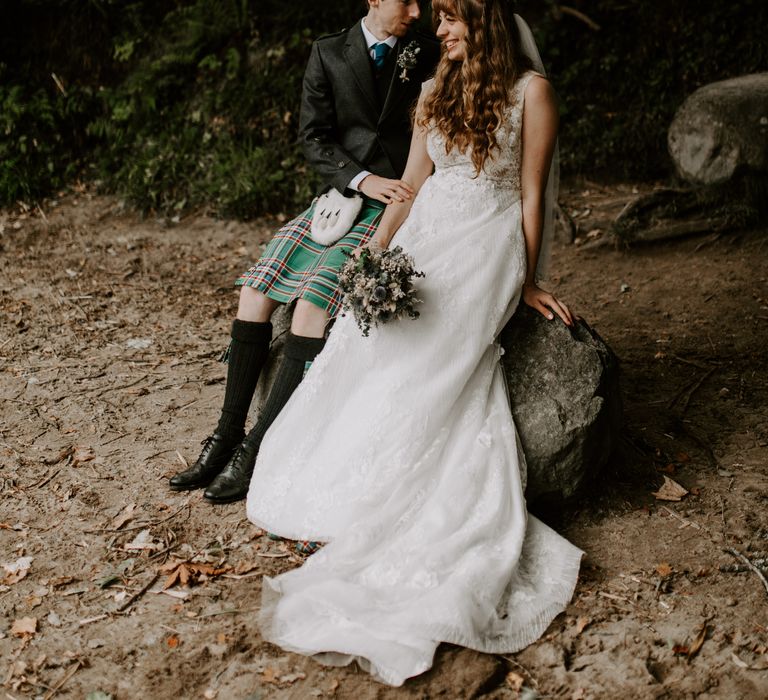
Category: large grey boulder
<point>564,392</point>
<point>722,130</point>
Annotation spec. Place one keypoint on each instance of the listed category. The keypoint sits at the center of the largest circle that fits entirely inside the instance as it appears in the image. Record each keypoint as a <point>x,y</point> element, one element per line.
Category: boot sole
<point>191,487</point>
<point>229,499</point>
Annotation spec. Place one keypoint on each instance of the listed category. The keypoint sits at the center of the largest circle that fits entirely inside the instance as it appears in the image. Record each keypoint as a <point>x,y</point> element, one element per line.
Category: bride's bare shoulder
<point>539,91</point>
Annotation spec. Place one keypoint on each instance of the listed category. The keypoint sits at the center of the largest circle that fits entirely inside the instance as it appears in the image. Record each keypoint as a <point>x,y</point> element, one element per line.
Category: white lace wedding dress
<point>399,450</point>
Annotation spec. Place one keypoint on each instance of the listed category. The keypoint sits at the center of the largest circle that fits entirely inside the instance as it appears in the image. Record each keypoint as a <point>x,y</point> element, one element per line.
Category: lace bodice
<point>500,172</point>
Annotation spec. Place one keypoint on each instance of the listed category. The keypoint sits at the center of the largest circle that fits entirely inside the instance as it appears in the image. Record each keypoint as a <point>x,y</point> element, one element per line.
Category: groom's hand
<point>384,189</point>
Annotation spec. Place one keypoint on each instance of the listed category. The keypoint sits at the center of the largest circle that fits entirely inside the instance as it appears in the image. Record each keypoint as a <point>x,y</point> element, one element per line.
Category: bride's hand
<point>373,245</point>
<point>546,303</point>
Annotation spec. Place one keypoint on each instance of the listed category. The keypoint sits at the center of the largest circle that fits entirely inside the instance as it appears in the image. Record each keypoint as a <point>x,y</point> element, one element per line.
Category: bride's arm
<point>540,120</point>
<point>417,170</point>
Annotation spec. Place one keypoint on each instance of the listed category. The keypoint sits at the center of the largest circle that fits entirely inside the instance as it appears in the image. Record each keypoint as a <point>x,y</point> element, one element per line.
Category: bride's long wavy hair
<point>469,97</point>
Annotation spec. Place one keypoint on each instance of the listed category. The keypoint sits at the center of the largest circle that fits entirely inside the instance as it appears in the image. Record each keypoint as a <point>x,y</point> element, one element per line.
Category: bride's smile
<point>451,31</point>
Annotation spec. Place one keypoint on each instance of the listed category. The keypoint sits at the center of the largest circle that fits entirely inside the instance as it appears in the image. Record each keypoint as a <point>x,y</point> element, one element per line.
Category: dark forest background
<point>193,104</point>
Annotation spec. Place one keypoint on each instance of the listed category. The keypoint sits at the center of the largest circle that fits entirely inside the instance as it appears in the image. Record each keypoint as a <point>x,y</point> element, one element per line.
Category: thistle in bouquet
<point>378,286</point>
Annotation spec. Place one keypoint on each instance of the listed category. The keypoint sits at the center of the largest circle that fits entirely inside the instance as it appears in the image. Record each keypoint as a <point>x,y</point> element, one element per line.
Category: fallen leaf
<point>664,570</point>
<point>514,681</point>
<point>738,661</point>
<point>123,517</point>
<point>698,642</point>
<point>17,570</point>
<point>82,453</point>
<point>292,677</point>
<point>581,624</point>
<point>679,649</point>
<point>24,626</point>
<point>186,573</point>
<point>172,641</point>
<point>138,343</point>
<point>62,581</point>
<point>53,619</point>
<point>245,568</point>
<point>63,454</point>
<point>683,457</point>
<point>108,580</point>
<point>210,694</point>
<point>269,675</point>
<point>143,541</point>
<point>670,491</point>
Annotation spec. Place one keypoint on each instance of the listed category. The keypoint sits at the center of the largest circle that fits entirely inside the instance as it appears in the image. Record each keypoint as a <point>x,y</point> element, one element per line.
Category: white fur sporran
<point>334,216</point>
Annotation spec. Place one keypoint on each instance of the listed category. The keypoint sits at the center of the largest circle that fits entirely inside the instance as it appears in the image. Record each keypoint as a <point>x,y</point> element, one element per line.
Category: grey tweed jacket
<point>343,127</point>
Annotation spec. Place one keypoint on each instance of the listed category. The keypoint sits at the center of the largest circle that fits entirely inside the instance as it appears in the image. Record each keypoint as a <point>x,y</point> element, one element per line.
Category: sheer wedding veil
<point>528,45</point>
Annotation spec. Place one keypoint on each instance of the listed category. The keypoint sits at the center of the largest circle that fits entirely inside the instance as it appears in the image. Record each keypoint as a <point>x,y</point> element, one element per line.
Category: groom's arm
<point>318,127</point>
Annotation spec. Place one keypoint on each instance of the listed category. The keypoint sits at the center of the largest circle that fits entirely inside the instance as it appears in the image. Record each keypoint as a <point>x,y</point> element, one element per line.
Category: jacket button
<point>341,164</point>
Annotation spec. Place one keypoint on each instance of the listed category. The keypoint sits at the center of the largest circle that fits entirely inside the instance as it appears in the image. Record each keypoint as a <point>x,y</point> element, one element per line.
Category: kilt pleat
<point>293,266</point>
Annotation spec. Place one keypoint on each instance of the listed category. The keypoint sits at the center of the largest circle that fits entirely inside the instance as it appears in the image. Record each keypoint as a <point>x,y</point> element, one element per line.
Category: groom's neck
<point>374,27</point>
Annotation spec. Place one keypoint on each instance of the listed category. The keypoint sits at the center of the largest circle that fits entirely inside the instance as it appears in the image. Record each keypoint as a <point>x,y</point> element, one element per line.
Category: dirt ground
<point>110,327</point>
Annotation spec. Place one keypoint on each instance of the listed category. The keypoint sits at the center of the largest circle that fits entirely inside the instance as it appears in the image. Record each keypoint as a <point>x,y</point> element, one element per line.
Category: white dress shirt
<point>370,40</point>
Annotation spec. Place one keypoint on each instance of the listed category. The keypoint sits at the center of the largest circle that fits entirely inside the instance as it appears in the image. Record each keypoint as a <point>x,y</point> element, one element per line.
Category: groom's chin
<point>401,30</point>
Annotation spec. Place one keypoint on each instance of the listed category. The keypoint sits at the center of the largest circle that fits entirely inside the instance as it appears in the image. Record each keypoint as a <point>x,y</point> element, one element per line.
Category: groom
<point>359,88</point>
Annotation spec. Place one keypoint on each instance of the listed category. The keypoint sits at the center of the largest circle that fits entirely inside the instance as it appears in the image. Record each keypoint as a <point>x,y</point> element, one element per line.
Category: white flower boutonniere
<point>407,59</point>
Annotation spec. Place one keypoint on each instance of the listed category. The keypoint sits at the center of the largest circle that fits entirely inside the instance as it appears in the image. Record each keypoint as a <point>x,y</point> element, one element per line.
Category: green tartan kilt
<point>294,267</point>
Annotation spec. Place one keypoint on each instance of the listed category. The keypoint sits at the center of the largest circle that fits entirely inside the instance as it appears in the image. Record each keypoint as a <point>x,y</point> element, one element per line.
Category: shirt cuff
<point>357,179</point>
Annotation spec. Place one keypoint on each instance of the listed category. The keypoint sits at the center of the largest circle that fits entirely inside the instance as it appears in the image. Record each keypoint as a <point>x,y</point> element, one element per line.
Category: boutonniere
<point>407,59</point>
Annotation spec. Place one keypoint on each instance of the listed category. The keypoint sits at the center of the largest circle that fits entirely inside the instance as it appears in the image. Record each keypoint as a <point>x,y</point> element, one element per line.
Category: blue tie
<point>380,52</point>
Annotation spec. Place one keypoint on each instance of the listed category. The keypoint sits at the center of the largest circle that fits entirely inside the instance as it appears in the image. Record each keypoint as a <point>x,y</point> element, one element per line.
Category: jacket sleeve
<point>319,130</point>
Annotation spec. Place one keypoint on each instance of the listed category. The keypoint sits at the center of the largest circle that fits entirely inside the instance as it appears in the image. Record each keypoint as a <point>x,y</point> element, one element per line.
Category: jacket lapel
<point>356,56</point>
<point>398,88</point>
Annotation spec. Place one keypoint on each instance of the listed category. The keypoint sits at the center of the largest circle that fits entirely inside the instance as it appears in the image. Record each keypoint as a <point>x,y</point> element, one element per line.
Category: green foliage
<point>620,86</point>
<point>35,156</point>
<point>193,104</point>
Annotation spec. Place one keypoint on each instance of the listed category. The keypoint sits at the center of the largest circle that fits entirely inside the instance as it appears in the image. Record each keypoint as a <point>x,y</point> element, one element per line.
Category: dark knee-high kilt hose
<point>294,267</point>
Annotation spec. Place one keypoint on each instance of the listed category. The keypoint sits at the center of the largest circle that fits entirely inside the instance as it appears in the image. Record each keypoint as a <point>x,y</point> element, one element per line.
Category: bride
<point>407,464</point>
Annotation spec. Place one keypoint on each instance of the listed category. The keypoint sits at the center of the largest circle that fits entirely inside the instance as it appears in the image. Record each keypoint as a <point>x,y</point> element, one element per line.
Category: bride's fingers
<point>542,308</point>
<point>557,307</point>
<point>568,315</point>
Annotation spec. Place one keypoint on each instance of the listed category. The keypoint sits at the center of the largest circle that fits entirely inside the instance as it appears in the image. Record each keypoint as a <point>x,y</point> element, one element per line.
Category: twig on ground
<point>79,663</point>
<point>233,611</point>
<point>141,526</point>
<point>686,361</point>
<point>89,620</point>
<point>722,518</point>
<point>130,601</point>
<point>683,520</point>
<point>746,562</point>
<point>689,390</point>
<point>517,664</point>
<point>46,480</point>
<point>63,454</point>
